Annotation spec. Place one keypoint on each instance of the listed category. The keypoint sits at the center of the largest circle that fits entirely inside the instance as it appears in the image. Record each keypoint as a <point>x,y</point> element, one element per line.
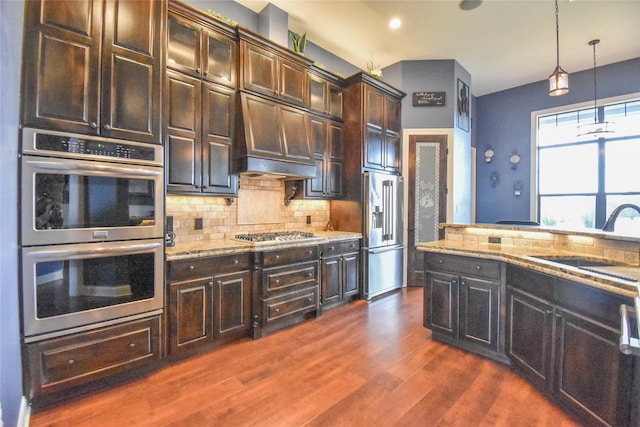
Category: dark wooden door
<point>231,304</point>
<point>333,159</point>
<point>530,337</point>
<point>315,187</point>
<point>61,65</point>
<point>260,70</point>
<point>591,376</point>
<point>415,259</point>
<point>183,45</point>
<point>479,309</point>
<point>293,82</point>
<point>442,312</point>
<point>218,108</point>
<point>189,314</point>
<point>131,72</point>
<point>220,58</point>
<point>184,133</point>
<point>392,141</point>
<point>351,268</point>
<point>331,279</point>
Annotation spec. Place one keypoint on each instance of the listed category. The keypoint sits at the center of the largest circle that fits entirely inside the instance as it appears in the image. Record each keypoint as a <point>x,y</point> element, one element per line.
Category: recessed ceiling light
<point>395,23</point>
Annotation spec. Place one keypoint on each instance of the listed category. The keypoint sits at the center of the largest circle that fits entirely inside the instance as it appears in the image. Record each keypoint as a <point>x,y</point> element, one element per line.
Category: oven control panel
<point>76,145</point>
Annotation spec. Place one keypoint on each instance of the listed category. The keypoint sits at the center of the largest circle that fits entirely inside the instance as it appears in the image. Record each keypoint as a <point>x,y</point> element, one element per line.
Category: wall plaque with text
<point>428,99</point>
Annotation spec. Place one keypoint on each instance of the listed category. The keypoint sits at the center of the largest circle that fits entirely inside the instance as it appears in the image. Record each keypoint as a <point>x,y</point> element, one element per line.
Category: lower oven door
<point>66,288</point>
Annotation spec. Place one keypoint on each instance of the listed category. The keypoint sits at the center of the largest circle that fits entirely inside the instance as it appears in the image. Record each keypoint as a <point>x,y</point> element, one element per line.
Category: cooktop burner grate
<point>275,236</point>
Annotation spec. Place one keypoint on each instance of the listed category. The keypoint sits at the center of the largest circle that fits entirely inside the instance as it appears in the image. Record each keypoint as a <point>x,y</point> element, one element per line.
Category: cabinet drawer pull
<point>309,252</point>
<point>276,310</point>
<point>132,345</point>
<point>440,261</point>
<point>70,362</point>
<point>309,274</point>
<point>93,125</point>
<point>331,248</point>
<point>478,267</point>
<point>198,70</point>
<point>277,280</point>
<point>277,256</point>
<point>192,267</point>
<point>558,315</point>
<point>107,127</point>
<point>549,311</point>
<point>235,261</point>
<point>310,299</point>
<point>210,284</point>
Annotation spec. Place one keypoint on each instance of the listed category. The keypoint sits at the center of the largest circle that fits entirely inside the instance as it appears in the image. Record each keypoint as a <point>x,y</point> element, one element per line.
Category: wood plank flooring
<point>364,364</point>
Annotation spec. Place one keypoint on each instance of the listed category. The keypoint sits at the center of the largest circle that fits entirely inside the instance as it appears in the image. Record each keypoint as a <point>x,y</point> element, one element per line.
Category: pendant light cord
<point>557,38</point>
<point>595,82</point>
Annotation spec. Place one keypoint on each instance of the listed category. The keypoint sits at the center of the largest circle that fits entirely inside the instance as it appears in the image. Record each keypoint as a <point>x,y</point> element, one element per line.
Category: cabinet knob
<point>132,345</point>
<point>192,267</point>
<point>549,311</point>
<point>107,127</point>
<point>309,274</point>
<point>210,284</point>
<point>277,280</point>
<point>478,267</point>
<point>558,315</point>
<point>331,248</point>
<point>277,256</point>
<point>309,252</point>
<point>70,362</point>
<point>276,310</point>
<point>235,261</point>
<point>463,283</point>
<point>198,70</point>
<point>93,125</point>
<point>310,299</point>
<point>440,261</point>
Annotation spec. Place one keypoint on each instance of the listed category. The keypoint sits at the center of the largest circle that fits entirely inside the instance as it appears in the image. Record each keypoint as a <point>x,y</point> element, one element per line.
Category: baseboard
<point>24,416</point>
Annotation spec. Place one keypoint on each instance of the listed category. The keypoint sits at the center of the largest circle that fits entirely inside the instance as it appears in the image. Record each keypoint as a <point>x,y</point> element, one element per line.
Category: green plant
<point>221,17</point>
<point>299,42</point>
<point>549,221</point>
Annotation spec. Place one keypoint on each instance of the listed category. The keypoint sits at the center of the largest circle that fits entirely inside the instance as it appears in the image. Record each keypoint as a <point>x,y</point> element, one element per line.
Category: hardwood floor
<point>364,364</point>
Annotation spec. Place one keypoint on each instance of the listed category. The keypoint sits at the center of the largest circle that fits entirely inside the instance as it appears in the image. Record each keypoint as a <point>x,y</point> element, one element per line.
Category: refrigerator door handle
<point>387,195</point>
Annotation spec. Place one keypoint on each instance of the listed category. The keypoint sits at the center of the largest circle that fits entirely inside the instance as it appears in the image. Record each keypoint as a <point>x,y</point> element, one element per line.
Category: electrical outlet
<point>198,223</point>
<point>308,219</point>
<point>493,239</point>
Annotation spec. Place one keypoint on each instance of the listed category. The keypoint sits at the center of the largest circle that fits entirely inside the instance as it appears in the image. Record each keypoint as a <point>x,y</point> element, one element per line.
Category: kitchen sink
<point>576,261</point>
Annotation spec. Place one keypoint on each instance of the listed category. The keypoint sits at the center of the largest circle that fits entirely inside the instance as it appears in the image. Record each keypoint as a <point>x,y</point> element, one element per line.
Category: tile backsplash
<point>259,211</point>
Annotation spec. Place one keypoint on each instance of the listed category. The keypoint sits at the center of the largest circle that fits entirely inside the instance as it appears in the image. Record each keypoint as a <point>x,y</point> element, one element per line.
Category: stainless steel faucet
<point>610,224</point>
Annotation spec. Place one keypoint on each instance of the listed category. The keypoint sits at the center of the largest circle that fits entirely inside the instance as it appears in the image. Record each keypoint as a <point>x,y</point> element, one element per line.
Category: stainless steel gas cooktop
<point>276,236</point>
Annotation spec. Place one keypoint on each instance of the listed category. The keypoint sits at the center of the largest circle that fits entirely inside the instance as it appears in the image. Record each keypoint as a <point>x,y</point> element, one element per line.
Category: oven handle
<point>628,343</point>
<point>95,166</point>
<point>104,249</point>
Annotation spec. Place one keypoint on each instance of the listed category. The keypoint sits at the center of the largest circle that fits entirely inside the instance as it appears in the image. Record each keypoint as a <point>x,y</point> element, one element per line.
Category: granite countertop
<point>205,248</point>
<point>527,257</point>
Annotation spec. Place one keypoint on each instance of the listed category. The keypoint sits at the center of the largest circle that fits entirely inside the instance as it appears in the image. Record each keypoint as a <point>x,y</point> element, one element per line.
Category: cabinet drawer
<point>77,359</point>
<point>463,266</point>
<point>337,248</point>
<point>290,255</point>
<point>208,266</point>
<point>290,304</point>
<point>288,278</point>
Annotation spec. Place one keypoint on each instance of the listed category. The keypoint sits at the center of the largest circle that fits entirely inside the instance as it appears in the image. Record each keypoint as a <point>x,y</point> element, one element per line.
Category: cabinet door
<point>183,46</point>
<point>351,276</point>
<point>218,105</point>
<point>592,376</point>
<point>392,153</point>
<point>314,187</point>
<point>220,58</point>
<point>333,158</point>
<point>529,336</point>
<point>232,304</point>
<point>374,155</point>
<point>61,66</point>
<point>479,309</point>
<point>295,136</point>
<point>331,279</point>
<point>184,133</point>
<point>131,74</point>
<point>293,82</point>
<point>443,303</point>
<point>318,94</point>
<point>335,101</point>
<point>189,314</point>
<point>260,70</point>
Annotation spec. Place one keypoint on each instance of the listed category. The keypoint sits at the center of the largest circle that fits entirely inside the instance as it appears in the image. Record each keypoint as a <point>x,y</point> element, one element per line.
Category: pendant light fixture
<point>599,128</point>
<point>559,80</point>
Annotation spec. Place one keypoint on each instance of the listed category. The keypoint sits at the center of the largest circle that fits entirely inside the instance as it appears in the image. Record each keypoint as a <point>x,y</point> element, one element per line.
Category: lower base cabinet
<point>59,364</point>
<point>561,344</point>
<point>339,273</point>
<point>209,301</point>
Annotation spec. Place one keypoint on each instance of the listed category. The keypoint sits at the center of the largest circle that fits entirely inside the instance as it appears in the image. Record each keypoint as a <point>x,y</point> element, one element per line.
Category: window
<point>580,182</point>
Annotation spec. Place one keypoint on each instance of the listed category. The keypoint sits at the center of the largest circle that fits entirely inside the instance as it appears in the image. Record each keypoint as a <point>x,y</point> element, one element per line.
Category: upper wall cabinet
<point>373,125</point>
<point>325,93</point>
<point>194,49</point>
<point>94,67</point>
<point>271,70</point>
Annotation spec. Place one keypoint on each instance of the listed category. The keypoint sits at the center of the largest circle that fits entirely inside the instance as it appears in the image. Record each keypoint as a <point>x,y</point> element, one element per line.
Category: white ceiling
<point>502,43</point>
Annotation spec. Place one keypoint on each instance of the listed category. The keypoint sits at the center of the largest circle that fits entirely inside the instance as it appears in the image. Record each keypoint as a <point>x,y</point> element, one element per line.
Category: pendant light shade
<point>599,128</point>
<point>559,79</point>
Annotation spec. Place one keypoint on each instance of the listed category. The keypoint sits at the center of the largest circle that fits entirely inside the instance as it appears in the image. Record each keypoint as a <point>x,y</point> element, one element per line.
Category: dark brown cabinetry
<point>339,272</point>
<point>58,364</point>
<point>289,288</point>
<point>94,67</point>
<point>200,106</point>
<point>195,48</point>
<point>271,70</point>
<point>209,301</point>
<point>563,337</point>
<point>325,94</point>
<point>373,123</point>
<point>462,303</point>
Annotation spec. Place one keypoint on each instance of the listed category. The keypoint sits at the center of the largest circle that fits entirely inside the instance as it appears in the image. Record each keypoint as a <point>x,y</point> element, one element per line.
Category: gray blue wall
<point>503,120</point>
<point>11,18</point>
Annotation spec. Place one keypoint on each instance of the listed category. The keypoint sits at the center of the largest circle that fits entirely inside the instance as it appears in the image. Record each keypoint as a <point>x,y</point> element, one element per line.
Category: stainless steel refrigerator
<point>383,248</point>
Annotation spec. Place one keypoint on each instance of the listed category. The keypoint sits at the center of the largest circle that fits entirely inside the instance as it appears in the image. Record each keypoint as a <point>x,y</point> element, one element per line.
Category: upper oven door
<point>73,201</point>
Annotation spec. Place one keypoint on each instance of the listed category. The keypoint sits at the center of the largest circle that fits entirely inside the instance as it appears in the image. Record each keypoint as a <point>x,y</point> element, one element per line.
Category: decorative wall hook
<point>514,159</point>
<point>488,154</point>
<point>494,178</point>
<point>517,188</point>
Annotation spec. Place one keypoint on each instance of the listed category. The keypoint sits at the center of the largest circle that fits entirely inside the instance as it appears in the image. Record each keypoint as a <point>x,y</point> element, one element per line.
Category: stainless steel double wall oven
<point>92,237</point>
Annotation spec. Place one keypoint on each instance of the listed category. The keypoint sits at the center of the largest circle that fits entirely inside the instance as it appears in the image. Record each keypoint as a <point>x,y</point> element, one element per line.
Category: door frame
<point>406,134</point>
